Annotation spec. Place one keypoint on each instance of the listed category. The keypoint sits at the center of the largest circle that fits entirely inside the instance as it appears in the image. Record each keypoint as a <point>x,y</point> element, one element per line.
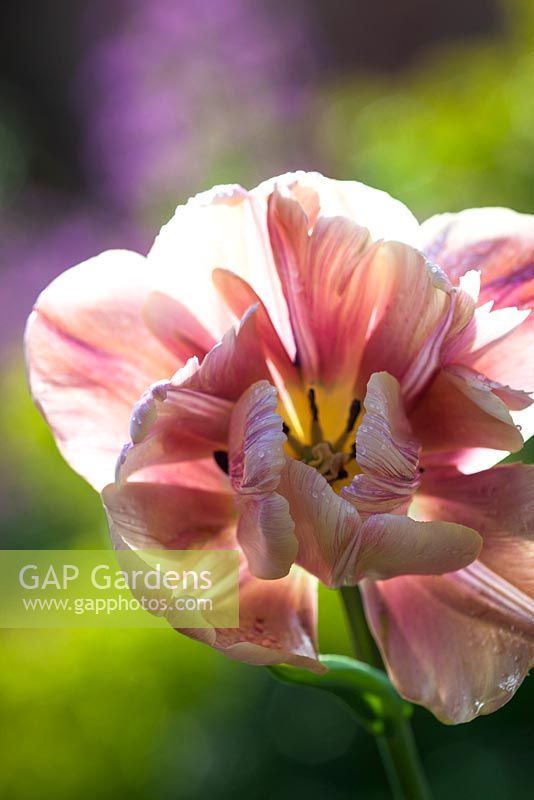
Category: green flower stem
<point>402,764</point>
<point>363,644</point>
<point>397,746</point>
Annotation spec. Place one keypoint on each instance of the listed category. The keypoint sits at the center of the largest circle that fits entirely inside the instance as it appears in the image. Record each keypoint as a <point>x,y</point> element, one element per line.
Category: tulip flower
<point>305,374</point>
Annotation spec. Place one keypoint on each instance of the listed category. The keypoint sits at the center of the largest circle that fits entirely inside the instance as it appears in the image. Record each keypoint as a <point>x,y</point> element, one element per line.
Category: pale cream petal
<point>90,355</point>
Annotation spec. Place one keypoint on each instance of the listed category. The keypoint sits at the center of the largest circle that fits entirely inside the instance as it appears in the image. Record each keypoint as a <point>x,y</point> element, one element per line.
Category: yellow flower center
<point>322,438</point>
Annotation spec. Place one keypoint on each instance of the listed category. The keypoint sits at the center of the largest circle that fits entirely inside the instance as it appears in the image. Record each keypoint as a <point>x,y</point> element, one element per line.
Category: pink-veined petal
<point>265,532</point>
<point>335,546</point>
<point>180,411</point>
<point>386,449</point>
<point>256,460</point>
<point>171,424</point>
<point>188,417</point>
<point>326,526</point>
<point>256,442</point>
<point>497,241</point>
<point>413,316</point>
<point>224,227</point>
<point>393,545</point>
<point>90,355</point>
<point>500,243</point>
<point>459,644</point>
<point>288,233</point>
<point>462,409</point>
<point>179,427</point>
<point>331,283</point>
<point>277,619</point>
<point>502,347</point>
<point>239,297</point>
<point>338,297</point>
<point>161,512</point>
<point>176,327</point>
<point>232,365</point>
<point>510,361</point>
<point>382,215</point>
<point>499,503</point>
<point>461,331</point>
<point>336,283</point>
<point>278,623</point>
<point>328,287</point>
<point>489,327</point>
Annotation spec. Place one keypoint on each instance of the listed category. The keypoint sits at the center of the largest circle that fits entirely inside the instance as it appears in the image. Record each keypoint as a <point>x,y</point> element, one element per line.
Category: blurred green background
<point>110,114</point>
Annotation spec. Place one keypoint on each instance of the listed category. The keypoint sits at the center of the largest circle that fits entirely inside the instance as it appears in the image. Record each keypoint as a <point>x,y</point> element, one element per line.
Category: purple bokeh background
<point>169,98</point>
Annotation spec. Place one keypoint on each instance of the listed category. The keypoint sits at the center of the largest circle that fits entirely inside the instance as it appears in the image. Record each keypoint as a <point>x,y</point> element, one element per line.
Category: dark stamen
<point>354,410</point>
<point>316,432</point>
<point>313,405</point>
<point>292,440</point>
<point>353,450</point>
<point>342,474</point>
<point>221,459</point>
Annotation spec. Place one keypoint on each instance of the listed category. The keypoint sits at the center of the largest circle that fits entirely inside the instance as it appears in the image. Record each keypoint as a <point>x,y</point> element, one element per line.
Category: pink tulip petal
<point>338,297</point>
<point>176,409</point>
<point>339,550</point>
<point>331,285</point>
<point>459,644</point>
<point>224,227</point>
<point>265,532</point>
<point>467,460</point>
<point>462,330</point>
<point>510,361</point>
<point>232,365</point>
<point>382,215</point>
<point>90,355</point>
<point>462,410</point>
<point>277,619</point>
<point>387,451</point>
<point>500,243</point>
<point>175,425</point>
<point>176,327</point>
<point>288,232</point>
<point>175,509</point>
<point>165,513</point>
<point>414,313</point>
<point>188,417</point>
<point>394,545</point>
<point>505,361</point>
<point>227,228</point>
<point>331,301</point>
<point>326,526</point>
<point>502,348</point>
<point>489,327</point>
<point>278,623</point>
<point>256,442</point>
<point>497,241</point>
<point>239,297</point>
<point>181,429</point>
<point>434,351</point>
<point>256,460</point>
<point>499,503</point>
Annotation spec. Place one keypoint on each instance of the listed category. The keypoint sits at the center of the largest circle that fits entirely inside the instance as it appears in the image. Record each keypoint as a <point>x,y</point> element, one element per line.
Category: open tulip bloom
<point>304,373</point>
